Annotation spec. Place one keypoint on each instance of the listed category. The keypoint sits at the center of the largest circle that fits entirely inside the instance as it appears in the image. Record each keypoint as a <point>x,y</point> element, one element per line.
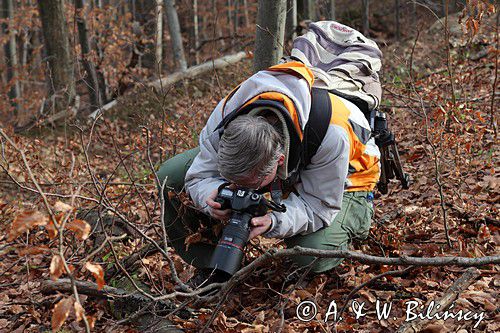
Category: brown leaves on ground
<point>64,308</point>
<point>56,267</point>
<point>80,227</point>
<point>98,274</point>
<point>25,221</point>
<point>61,312</point>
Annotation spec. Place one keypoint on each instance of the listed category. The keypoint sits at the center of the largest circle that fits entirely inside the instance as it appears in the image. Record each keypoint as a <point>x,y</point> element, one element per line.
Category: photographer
<point>254,139</point>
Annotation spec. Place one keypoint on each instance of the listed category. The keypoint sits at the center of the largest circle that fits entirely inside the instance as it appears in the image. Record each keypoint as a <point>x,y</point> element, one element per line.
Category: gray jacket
<point>321,184</point>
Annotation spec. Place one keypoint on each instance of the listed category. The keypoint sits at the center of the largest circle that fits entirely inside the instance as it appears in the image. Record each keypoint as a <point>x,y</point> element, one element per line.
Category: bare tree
<point>270,33</point>
<point>306,10</point>
<point>196,32</point>
<point>397,12</point>
<point>159,37</point>
<point>175,34</point>
<point>245,11</point>
<point>291,19</point>
<point>11,53</point>
<point>91,79</point>
<point>61,78</point>
<point>366,17</point>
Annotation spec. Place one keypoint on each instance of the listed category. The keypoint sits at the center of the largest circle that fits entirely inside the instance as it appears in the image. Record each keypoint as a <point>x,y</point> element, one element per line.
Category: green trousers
<point>353,221</point>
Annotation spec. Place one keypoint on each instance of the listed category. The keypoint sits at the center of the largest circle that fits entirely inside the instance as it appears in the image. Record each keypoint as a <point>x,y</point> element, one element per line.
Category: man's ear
<point>281,160</point>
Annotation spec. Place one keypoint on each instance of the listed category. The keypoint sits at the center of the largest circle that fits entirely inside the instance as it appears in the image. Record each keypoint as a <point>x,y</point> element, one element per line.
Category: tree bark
<point>159,37</point>
<point>10,50</point>
<point>366,17</point>
<point>306,10</point>
<point>397,11</point>
<point>196,32</point>
<point>270,33</point>
<point>291,19</point>
<point>175,35</point>
<point>91,80</point>
<point>144,18</point>
<point>61,78</point>
<point>245,11</point>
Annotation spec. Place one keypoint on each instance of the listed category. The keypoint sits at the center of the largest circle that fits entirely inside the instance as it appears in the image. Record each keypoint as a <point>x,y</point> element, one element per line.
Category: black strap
<point>317,125</point>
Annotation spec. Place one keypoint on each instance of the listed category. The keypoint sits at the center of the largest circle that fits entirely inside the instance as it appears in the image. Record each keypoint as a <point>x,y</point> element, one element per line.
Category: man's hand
<point>260,225</point>
<point>215,210</point>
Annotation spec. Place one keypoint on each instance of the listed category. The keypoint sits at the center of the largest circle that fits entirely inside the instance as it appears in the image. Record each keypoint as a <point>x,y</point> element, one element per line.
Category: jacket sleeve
<point>203,176</point>
<point>320,189</point>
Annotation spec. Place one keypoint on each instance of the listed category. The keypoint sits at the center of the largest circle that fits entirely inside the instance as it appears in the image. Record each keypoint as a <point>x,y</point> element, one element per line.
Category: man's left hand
<point>260,225</point>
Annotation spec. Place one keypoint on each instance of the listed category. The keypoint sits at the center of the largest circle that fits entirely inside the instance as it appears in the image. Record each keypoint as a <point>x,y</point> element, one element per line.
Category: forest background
<point>95,95</point>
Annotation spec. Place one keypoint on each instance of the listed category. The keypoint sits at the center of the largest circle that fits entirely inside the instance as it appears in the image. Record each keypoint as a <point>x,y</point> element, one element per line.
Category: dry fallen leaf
<point>24,222</point>
<point>56,267</point>
<point>80,227</point>
<point>51,230</point>
<point>62,207</point>
<point>61,312</point>
<point>79,311</point>
<point>98,274</point>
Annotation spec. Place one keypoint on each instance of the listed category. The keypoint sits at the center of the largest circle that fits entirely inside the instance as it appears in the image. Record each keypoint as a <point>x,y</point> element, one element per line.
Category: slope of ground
<point>449,149</point>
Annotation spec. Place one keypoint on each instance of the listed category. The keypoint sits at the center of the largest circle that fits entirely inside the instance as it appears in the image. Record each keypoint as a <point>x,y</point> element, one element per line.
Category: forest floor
<point>447,145</point>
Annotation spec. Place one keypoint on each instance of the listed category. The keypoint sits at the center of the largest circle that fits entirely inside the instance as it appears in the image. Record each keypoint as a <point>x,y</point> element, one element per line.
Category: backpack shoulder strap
<point>317,125</point>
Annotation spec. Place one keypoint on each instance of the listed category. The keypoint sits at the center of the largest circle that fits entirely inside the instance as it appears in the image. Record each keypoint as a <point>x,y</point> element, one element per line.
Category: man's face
<point>260,182</point>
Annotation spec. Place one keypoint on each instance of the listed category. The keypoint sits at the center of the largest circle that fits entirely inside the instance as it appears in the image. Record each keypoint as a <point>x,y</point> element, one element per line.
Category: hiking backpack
<point>346,63</point>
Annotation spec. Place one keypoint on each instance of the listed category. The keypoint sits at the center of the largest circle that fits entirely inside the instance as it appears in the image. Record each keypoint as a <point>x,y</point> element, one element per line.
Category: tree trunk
<point>333,11</point>
<point>61,78</point>
<point>175,34</point>
<point>236,17</point>
<point>91,79</point>
<point>229,22</point>
<point>414,18</point>
<point>366,17</point>
<point>196,32</point>
<point>398,28</point>
<point>245,10</point>
<point>291,19</point>
<point>270,33</point>
<point>145,16</point>
<point>159,37</point>
<point>306,10</point>
<point>10,50</point>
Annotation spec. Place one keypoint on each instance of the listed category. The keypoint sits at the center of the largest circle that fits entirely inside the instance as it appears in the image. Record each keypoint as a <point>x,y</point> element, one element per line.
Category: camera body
<point>245,204</point>
<point>242,200</point>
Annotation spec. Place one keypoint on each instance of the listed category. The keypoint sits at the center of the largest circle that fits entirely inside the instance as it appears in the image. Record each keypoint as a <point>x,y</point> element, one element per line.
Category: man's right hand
<point>215,208</point>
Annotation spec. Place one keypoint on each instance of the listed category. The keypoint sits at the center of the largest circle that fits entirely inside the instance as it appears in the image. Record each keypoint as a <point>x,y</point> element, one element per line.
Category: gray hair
<point>249,147</point>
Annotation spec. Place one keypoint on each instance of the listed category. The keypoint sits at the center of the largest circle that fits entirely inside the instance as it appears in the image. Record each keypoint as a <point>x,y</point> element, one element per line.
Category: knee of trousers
<point>174,170</point>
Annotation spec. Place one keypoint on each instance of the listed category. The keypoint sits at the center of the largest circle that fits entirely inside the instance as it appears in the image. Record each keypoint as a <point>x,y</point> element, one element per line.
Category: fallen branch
<point>461,284</point>
<point>197,70</point>
<point>173,78</point>
<point>107,292</point>
<point>134,302</point>
<point>103,108</point>
<point>245,272</point>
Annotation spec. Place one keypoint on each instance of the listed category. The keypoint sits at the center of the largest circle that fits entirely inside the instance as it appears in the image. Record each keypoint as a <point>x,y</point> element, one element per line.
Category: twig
<point>59,226</point>
<point>161,187</point>
<point>493,95</point>
<point>436,161</point>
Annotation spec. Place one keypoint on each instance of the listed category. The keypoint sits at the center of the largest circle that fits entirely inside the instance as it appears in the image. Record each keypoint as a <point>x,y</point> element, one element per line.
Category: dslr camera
<point>244,204</point>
